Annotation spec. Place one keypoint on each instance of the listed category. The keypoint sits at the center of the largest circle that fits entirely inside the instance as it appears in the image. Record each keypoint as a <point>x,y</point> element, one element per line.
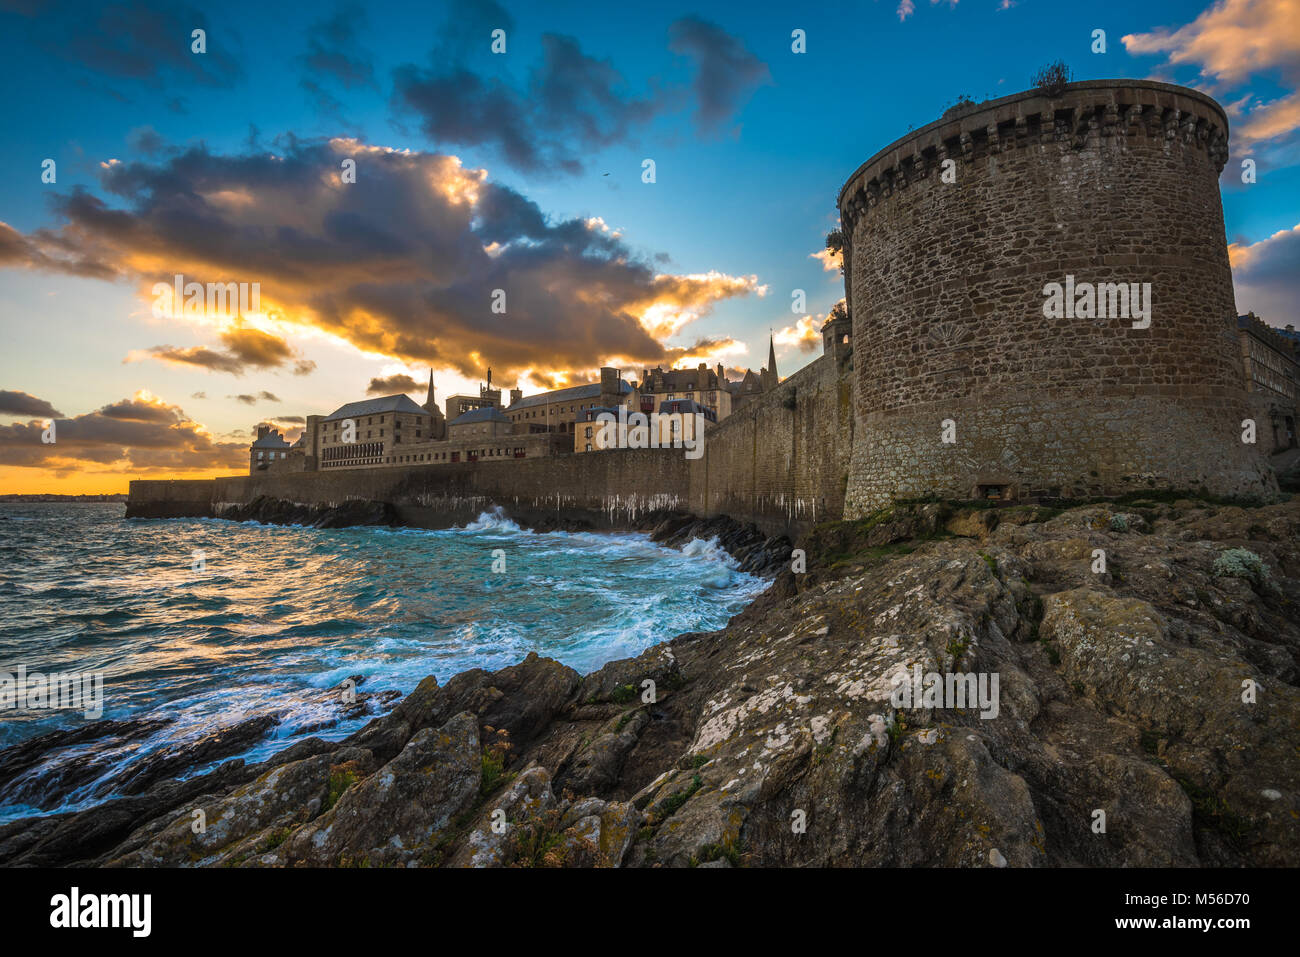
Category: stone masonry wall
<point>1113,181</point>
<point>781,461</point>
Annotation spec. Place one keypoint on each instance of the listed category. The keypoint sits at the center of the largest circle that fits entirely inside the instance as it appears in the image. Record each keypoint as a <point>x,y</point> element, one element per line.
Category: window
<point>588,446</point>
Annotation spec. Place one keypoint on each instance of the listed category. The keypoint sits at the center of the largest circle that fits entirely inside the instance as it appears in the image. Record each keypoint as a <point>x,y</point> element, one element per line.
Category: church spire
<point>429,403</point>
<point>771,354</point>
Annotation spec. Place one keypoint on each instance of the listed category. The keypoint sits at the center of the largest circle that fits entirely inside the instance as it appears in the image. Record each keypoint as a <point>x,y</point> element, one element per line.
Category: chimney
<point>263,431</point>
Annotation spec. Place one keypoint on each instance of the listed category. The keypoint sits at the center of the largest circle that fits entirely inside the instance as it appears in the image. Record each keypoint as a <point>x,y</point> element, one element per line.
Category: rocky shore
<point>1147,715</point>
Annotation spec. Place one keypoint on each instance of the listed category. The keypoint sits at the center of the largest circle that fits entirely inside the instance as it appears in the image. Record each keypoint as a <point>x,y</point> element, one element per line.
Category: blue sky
<point>751,143</point>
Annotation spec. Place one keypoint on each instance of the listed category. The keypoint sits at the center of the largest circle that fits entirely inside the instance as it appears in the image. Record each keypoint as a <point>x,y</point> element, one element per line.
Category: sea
<point>205,623</point>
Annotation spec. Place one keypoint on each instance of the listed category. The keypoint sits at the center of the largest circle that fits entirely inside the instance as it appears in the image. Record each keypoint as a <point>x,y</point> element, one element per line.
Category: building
<point>562,409</point>
<point>1272,377</point>
<point>369,432</point>
<point>268,447</point>
<point>488,397</point>
<point>676,423</point>
<point>485,422</point>
<point>708,387</point>
<point>755,384</point>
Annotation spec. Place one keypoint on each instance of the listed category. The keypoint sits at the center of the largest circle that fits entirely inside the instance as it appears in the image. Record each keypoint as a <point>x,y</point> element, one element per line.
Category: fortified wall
<point>781,462</point>
<point>1109,182</point>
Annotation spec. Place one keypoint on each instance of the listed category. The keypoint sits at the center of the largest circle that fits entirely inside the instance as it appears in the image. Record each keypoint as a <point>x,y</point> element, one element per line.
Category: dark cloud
<point>1266,276</point>
<point>20,403</point>
<point>403,263</point>
<point>391,385</point>
<point>573,103</point>
<point>145,139</point>
<point>333,49</point>
<point>142,434</point>
<point>143,41</point>
<point>726,73</point>
<point>246,348</point>
<point>335,57</point>
<point>140,410</point>
<point>248,399</point>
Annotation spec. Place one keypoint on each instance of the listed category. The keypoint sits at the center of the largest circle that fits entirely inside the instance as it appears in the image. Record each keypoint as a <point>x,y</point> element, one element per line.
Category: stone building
<point>366,433</point>
<point>755,384</point>
<point>1271,375</point>
<point>708,387</point>
<point>561,409</point>
<point>955,236</point>
<point>676,421</point>
<point>487,422</point>
<point>269,447</point>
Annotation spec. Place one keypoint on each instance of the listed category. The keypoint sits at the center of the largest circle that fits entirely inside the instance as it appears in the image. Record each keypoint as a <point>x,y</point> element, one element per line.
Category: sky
<point>380,172</point>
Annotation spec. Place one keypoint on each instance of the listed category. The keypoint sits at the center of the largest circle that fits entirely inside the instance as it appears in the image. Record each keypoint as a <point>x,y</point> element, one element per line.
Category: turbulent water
<point>208,623</point>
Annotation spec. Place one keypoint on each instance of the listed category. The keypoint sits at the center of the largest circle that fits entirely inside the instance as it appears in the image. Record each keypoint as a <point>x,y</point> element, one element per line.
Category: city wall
<point>780,462</point>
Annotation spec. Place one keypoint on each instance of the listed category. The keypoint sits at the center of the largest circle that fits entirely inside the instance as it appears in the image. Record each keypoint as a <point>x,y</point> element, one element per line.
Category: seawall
<point>780,462</point>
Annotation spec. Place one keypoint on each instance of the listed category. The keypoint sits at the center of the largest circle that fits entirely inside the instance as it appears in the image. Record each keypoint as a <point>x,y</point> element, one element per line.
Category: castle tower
<point>954,236</point>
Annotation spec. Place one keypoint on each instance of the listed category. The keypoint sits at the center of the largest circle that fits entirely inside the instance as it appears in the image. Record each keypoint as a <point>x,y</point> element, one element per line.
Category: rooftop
<point>486,414</point>
<point>571,394</point>
<point>386,403</point>
<point>272,440</point>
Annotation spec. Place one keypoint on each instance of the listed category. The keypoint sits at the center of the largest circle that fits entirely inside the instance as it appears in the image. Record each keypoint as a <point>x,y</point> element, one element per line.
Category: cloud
<point>248,399</point>
<point>392,385</point>
<point>145,139</point>
<point>246,348</point>
<point>805,334</point>
<point>1232,42</point>
<point>142,434</point>
<point>573,103</point>
<point>907,7</point>
<point>726,73</point>
<point>1266,276</point>
<point>404,263</point>
<point>831,260</point>
<point>20,403</point>
<point>335,56</point>
<point>143,41</point>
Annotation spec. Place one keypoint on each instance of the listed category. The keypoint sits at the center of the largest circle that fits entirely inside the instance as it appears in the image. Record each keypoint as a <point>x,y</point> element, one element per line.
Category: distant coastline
<point>47,497</point>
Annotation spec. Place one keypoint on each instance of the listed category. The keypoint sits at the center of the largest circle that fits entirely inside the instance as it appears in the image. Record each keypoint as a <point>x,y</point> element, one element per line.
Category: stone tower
<point>954,235</point>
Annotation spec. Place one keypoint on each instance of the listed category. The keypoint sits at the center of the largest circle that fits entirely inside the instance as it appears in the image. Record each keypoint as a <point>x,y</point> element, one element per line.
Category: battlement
<point>1084,115</point>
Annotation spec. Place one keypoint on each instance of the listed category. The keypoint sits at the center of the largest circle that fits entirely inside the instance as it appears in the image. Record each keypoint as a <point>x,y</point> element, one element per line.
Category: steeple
<point>429,404</point>
<point>771,355</point>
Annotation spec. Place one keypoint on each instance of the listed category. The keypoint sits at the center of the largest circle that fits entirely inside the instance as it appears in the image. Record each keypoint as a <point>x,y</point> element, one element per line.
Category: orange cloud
<point>141,435</point>
<point>1231,42</point>
<point>418,260</point>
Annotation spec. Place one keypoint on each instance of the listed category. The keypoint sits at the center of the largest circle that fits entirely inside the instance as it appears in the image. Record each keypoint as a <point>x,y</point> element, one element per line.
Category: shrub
<point>1242,563</point>
<point>1052,79</point>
